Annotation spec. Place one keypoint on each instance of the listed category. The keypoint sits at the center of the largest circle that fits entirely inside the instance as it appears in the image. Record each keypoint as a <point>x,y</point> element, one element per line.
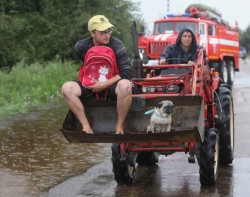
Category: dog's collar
<point>153,111</point>
<point>149,111</point>
<point>158,115</point>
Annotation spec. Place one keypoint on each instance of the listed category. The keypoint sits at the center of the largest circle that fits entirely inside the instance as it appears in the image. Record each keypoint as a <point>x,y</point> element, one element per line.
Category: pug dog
<point>161,118</point>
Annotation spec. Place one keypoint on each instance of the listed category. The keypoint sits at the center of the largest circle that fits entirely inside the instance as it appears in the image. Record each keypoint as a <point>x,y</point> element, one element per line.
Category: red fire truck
<point>220,40</point>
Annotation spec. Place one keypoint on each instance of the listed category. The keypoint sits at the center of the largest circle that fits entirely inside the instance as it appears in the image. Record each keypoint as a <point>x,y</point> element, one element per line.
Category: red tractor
<point>202,121</point>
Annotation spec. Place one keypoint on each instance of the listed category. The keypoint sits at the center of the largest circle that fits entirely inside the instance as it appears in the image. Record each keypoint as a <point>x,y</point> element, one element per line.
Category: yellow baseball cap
<point>99,23</point>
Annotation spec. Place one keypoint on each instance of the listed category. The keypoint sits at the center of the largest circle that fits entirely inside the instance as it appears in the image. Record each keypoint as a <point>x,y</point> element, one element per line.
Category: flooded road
<point>36,160</point>
<point>35,156</point>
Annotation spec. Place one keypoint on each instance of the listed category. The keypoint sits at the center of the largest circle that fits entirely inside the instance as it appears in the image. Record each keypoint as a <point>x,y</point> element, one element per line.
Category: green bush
<point>28,86</point>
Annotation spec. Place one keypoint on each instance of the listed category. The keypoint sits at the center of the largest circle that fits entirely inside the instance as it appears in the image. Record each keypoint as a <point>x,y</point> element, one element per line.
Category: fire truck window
<point>202,29</point>
<point>191,25</point>
<point>211,30</point>
<point>164,27</point>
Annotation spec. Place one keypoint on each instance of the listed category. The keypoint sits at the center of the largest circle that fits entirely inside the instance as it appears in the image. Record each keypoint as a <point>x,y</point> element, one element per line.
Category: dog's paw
<point>149,130</point>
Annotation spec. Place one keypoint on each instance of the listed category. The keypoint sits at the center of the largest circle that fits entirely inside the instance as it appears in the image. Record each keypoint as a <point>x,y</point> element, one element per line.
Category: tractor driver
<point>183,51</point>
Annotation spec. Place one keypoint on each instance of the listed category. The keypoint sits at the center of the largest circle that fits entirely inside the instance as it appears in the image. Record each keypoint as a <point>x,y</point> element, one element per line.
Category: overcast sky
<point>231,10</point>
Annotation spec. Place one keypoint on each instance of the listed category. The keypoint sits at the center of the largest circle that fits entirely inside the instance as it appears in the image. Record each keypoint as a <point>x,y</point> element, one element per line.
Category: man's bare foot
<point>119,129</point>
<point>89,132</point>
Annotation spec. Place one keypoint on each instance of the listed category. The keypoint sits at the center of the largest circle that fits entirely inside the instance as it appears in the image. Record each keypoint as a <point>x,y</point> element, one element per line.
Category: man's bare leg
<point>124,99</point>
<point>71,92</point>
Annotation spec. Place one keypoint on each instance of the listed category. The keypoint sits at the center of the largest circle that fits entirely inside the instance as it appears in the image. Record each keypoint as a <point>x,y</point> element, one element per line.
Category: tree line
<point>42,30</point>
<point>245,38</point>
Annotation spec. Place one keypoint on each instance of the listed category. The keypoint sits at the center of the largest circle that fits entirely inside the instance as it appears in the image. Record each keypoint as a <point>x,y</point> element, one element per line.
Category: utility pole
<point>168,6</point>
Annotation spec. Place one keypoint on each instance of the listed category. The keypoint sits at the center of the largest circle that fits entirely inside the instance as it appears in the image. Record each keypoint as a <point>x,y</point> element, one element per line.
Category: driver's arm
<point>162,61</point>
<point>167,54</point>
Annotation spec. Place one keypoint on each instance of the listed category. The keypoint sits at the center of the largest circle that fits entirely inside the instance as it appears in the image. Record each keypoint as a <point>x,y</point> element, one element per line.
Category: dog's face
<point>165,107</point>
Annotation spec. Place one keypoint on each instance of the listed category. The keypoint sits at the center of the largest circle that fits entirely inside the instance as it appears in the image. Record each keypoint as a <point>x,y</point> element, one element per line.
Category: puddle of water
<point>34,155</point>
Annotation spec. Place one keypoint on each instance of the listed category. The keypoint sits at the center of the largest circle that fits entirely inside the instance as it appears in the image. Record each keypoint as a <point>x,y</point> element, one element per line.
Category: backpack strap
<point>105,94</point>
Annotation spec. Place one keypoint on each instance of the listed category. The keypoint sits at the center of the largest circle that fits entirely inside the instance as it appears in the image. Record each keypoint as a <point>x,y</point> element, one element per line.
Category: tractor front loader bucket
<point>187,121</point>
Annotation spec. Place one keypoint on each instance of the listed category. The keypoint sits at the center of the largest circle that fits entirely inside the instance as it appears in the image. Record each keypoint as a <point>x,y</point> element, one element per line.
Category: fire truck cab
<point>220,40</point>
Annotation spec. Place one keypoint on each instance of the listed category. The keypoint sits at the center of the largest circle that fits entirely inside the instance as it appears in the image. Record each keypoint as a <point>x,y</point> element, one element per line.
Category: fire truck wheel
<point>223,72</point>
<point>208,157</point>
<point>147,158</point>
<point>225,124</point>
<point>230,71</point>
<point>123,168</point>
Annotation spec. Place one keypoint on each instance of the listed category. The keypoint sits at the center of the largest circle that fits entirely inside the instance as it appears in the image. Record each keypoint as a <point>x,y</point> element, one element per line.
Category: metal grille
<point>156,48</point>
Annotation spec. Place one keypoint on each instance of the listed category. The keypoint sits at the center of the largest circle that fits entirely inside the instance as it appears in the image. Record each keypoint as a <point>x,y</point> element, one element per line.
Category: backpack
<point>99,64</point>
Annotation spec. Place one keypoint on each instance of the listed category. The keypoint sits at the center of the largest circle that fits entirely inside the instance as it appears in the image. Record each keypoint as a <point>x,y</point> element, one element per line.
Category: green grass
<point>28,86</point>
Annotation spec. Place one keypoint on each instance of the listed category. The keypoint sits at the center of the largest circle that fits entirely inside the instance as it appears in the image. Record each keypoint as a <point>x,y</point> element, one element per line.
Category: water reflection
<point>32,146</point>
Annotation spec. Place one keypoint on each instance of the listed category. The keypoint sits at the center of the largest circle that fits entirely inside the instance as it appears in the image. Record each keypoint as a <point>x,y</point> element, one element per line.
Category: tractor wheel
<point>230,72</point>
<point>225,124</point>
<point>223,72</point>
<point>208,157</point>
<point>147,158</point>
<point>123,168</point>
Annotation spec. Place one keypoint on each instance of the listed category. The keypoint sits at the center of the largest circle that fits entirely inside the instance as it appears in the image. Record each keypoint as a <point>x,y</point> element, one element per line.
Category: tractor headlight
<point>173,88</point>
<point>152,89</point>
<point>148,89</point>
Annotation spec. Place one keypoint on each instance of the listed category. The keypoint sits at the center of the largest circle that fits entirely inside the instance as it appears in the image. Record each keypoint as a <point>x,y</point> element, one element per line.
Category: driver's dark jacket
<point>122,59</point>
<point>175,50</point>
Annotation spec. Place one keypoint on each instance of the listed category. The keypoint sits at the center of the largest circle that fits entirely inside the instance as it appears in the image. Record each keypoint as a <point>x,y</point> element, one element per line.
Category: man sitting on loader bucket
<point>118,87</point>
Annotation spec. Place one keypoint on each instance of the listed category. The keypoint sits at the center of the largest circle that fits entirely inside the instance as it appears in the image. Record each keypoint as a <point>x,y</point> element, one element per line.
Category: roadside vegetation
<point>28,86</point>
<point>245,39</point>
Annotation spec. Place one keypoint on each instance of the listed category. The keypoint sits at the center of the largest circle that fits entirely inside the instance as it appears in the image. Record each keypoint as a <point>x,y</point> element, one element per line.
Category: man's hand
<point>190,63</point>
<point>97,87</point>
<point>163,61</point>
